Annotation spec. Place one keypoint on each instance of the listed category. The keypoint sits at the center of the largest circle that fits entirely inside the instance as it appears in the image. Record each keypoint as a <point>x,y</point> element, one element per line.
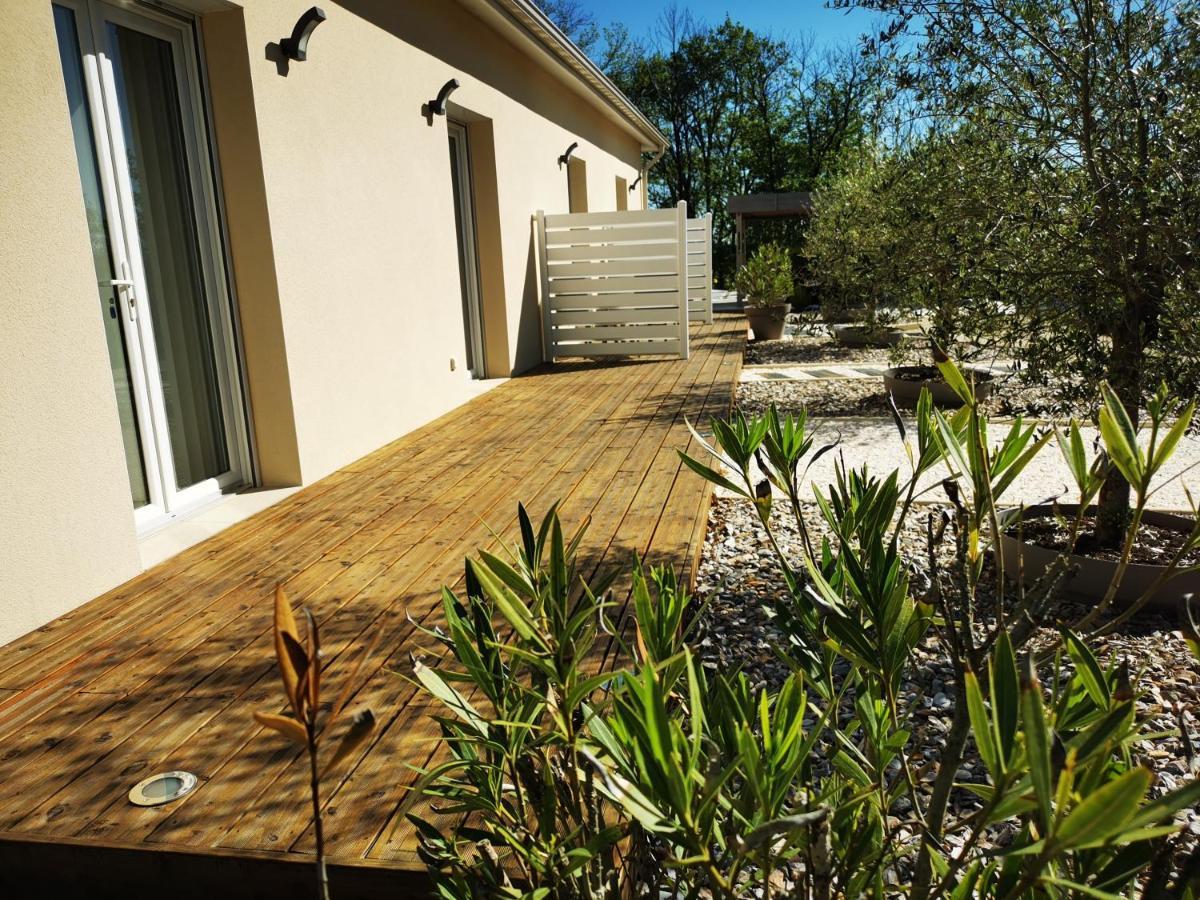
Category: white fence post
<point>684,350</point>
<point>708,266</point>
<point>543,271</point>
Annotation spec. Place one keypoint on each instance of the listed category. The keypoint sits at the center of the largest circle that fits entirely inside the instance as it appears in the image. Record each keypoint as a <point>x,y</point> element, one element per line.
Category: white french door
<point>133,88</point>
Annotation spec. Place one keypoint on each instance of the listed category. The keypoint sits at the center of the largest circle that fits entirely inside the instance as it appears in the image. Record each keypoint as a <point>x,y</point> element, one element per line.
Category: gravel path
<point>868,436</point>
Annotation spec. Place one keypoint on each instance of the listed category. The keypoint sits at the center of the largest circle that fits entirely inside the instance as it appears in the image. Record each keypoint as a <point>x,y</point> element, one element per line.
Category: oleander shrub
<point>586,757</point>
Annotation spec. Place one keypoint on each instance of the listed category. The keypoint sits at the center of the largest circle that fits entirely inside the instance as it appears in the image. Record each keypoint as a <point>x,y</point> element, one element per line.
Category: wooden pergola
<point>764,206</point>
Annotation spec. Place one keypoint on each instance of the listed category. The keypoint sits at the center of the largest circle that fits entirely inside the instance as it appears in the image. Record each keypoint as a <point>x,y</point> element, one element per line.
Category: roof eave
<point>535,25</point>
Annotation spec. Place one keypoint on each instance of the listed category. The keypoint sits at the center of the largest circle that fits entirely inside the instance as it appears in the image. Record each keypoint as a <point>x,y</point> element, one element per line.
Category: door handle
<point>125,285</point>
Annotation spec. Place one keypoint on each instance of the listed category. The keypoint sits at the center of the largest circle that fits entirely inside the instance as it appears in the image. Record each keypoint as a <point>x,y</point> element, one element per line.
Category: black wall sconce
<point>437,106</point>
<point>296,46</point>
<point>637,181</point>
<point>566,157</point>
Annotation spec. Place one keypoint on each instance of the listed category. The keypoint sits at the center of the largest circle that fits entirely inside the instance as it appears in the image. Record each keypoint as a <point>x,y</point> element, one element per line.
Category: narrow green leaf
<point>1087,669</point>
<point>1106,811</point>
<point>711,474</point>
<point>981,727</point>
<point>1163,452</point>
<point>1037,743</point>
<point>954,377</point>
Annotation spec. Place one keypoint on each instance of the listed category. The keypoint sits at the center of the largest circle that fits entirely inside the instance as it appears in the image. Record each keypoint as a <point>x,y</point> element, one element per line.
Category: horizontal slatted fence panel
<point>662,300</point>
<point>699,268</point>
<point>641,233</point>
<point>658,315</point>
<point>618,219</point>
<point>611,251</point>
<point>656,265</point>
<point>632,330</point>
<point>623,348</point>
<point>614,283</point>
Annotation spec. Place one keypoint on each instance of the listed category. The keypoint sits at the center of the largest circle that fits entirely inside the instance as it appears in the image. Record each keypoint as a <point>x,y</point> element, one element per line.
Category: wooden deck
<point>164,671</point>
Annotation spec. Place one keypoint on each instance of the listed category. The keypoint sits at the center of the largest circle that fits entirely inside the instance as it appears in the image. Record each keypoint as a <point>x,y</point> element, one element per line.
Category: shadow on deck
<point>165,671</point>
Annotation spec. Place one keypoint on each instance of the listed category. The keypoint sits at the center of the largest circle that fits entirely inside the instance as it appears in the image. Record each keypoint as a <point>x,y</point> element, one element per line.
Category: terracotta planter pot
<point>860,336</point>
<point>1093,576</point>
<point>907,390</point>
<point>767,321</point>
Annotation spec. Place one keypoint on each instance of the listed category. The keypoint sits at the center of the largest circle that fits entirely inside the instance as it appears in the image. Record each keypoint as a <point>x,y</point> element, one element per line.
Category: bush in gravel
<point>651,778</point>
<point>766,280</point>
<point>1065,801</point>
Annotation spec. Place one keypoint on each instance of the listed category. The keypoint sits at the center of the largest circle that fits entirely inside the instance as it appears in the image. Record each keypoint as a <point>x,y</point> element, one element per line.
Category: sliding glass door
<point>133,91</point>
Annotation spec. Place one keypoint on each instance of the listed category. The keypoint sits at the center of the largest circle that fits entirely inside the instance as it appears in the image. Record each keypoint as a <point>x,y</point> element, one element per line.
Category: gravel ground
<point>869,437</point>
<point>867,397</point>
<point>805,348</point>
<point>738,579</point>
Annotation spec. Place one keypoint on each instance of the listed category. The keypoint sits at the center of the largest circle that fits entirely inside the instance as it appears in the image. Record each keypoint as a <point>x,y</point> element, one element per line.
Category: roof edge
<point>538,25</point>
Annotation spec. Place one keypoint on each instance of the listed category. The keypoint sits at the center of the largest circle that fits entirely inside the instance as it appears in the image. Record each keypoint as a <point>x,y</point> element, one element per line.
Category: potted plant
<point>1157,562</point>
<point>905,384</point>
<point>945,258</point>
<point>766,283</point>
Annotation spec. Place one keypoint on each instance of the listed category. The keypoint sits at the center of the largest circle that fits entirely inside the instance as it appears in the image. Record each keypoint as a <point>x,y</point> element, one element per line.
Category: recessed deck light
<point>162,788</point>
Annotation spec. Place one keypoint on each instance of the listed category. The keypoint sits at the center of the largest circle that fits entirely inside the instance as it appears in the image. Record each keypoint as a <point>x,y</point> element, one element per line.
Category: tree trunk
<point>949,759</point>
<point>1125,378</point>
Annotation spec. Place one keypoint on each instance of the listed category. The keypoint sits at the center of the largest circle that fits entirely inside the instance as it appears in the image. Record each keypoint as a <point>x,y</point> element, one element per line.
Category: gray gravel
<point>807,348</point>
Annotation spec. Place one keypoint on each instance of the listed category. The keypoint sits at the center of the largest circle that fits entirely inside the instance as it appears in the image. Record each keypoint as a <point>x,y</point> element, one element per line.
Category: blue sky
<point>782,18</point>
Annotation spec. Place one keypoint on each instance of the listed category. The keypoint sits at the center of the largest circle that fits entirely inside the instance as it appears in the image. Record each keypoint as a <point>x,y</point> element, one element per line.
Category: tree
<point>743,112</point>
<point>611,47</point>
<point>1099,103</point>
<point>913,230</point>
<point>574,20</point>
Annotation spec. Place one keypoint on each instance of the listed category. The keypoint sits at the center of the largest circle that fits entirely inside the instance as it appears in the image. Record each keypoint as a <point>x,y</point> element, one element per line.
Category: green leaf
<point>1120,438</point>
<point>1084,889</point>
<point>1006,695</point>
<point>433,682</point>
<point>506,600</point>
<point>1037,743</point>
<point>711,474</point>
<point>954,377</point>
<point>1167,805</point>
<point>769,830</point>
<point>1164,450</point>
<point>981,727</point>
<point>1087,669</point>
<point>1106,811</point>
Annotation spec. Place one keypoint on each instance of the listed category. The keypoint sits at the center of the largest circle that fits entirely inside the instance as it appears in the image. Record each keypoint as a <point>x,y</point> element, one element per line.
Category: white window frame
<point>166,501</point>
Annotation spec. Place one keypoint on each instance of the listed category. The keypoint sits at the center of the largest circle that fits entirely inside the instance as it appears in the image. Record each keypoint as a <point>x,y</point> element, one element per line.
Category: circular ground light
<point>162,788</point>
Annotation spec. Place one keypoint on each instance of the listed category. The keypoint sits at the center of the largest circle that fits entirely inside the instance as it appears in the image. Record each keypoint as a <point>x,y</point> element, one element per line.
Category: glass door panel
<point>133,91</point>
<point>112,307</point>
<point>464,224</point>
<point>147,96</point>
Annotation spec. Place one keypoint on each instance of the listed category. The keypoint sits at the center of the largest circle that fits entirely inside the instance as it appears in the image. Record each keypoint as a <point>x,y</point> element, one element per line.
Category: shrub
<point>766,280</point>
<point>651,778</point>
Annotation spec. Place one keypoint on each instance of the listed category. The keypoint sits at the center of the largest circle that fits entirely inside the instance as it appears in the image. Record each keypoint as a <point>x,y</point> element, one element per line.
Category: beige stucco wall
<point>359,195</point>
<point>66,519</point>
<point>342,248</point>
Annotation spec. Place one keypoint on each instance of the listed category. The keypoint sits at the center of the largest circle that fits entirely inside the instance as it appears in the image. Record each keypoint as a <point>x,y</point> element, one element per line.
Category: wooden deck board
<point>165,671</point>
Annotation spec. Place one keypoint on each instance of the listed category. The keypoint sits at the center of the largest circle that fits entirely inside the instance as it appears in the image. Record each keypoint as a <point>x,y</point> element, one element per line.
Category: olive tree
<point>912,230</point>
<point>1099,102</point>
